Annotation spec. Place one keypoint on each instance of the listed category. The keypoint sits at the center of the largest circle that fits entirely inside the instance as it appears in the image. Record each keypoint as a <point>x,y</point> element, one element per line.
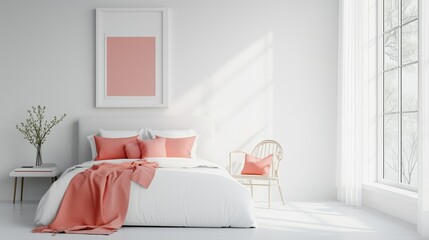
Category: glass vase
<point>39,156</point>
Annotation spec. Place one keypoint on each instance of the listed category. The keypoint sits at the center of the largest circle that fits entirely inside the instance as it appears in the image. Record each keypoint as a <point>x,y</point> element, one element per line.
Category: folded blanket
<point>96,200</point>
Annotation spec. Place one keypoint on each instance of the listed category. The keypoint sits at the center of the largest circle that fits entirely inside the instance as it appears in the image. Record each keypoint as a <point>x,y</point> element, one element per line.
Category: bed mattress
<point>184,192</point>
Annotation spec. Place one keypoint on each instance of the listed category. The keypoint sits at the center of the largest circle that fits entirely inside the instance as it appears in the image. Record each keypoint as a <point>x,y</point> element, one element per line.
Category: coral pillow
<point>152,133</point>
<point>152,148</point>
<point>257,166</point>
<point>178,147</point>
<point>133,150</point>
<point>112,148</point>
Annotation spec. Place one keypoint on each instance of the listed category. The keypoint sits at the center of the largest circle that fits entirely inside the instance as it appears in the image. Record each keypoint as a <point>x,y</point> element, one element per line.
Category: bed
<point>184,192</point>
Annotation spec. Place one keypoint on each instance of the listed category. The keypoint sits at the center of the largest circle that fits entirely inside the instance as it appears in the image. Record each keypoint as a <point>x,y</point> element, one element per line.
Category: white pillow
<point>152,133</point>
<point>120,133</point>
<point>91,140</point>
<point>145,135</point>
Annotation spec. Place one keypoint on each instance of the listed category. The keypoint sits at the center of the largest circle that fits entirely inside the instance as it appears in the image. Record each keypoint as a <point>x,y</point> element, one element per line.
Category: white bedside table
<point>53,172</point>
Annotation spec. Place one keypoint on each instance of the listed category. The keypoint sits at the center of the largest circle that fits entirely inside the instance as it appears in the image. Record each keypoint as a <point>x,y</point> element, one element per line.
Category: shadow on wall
<point>238,96</point>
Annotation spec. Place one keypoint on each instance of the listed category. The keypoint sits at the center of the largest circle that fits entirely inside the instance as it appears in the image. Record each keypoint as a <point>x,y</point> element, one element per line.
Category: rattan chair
<point>261,150</point>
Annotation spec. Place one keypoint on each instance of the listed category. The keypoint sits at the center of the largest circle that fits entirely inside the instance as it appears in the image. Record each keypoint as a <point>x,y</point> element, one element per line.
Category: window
<point>398,93</point>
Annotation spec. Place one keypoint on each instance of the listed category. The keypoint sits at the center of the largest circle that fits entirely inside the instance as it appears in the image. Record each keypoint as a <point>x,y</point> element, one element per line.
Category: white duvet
<point>184,192</point>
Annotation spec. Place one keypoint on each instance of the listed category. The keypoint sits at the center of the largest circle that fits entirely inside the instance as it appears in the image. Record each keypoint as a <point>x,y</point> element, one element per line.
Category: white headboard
<point>202,125</point>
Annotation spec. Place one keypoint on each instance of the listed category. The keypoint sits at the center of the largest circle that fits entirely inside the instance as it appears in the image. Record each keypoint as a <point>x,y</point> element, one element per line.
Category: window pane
<point>409,42</point>
<point>391,147</point>
<point>409,148</point>
<point>391,14</point>
<point>391,46</point>
<point>409,10</point>
<point>410,89</point>
<point>391,91</point>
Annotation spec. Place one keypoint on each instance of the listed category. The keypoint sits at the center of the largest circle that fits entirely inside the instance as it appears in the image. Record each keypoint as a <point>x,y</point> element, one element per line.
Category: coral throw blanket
<point>96,200</point>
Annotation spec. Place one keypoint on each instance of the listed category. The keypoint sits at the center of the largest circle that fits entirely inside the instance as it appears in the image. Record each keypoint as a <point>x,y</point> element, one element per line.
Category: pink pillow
<point>152,148</point>
<point>257,166</point>
<point>178,147</point>
<point>133,150</point>
<point>112,148</point>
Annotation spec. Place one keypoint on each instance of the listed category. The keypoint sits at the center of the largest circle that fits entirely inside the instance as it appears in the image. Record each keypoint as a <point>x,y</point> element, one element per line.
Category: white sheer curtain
<point>353,74</point>
<point>423,221</point>
<point>351,79</point>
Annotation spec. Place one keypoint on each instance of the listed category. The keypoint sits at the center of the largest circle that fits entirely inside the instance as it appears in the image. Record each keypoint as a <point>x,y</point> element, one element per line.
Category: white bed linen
<point>184,192</point>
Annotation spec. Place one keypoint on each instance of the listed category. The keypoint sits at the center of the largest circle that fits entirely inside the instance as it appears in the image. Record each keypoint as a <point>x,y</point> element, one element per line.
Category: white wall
<point>261,69</point>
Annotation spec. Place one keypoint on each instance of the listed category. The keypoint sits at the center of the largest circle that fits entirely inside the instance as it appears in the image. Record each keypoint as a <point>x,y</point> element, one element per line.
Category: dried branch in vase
<point>36,128</point>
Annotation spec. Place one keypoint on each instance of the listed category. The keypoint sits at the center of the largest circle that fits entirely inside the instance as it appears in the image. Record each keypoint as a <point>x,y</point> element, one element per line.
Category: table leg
<point>22,187</point>
<point>14,190</point>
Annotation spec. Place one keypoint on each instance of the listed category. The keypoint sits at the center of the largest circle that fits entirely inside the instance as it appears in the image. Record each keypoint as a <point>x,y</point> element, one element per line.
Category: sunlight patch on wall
<point>239,98</point>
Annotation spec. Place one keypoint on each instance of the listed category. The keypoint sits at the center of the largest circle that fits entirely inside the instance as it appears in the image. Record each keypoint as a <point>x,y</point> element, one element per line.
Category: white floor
<point>319,220</point>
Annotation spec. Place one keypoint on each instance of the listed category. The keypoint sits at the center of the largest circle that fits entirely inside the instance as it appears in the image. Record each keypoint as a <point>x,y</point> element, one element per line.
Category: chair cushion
<point>257,166</point>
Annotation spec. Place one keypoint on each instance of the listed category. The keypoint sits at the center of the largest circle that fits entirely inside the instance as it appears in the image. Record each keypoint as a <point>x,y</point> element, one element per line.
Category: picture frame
<point>132,57</point>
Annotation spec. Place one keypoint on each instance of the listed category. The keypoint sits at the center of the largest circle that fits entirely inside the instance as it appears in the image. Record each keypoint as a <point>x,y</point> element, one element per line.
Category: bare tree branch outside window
<point>400,91</point>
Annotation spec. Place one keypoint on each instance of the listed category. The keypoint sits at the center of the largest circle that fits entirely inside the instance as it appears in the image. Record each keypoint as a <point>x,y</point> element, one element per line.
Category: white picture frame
<point>127,24</point>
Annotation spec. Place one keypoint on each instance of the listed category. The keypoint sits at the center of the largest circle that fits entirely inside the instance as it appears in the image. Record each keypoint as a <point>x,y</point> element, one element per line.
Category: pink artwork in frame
<point>131,66</point>
<point>132,57</point>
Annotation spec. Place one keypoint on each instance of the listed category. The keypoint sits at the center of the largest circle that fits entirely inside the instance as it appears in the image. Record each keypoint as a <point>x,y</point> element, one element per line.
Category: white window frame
<point>380,94</point>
